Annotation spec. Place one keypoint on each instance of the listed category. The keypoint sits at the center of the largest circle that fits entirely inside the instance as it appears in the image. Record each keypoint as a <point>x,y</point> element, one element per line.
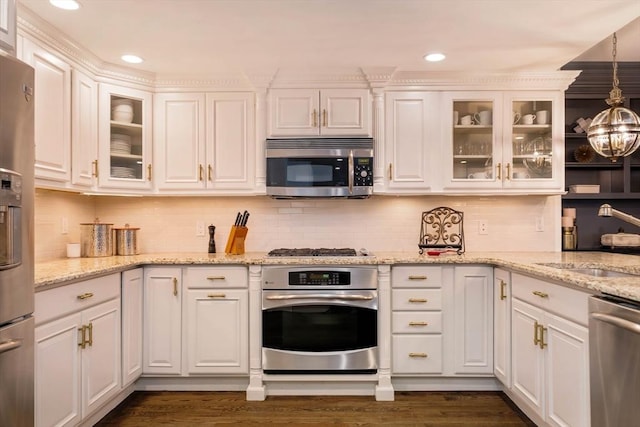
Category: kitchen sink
<point>589,271</point>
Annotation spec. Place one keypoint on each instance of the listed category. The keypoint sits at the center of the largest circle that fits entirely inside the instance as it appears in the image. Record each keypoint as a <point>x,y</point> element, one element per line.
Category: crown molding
<point>554,80</point>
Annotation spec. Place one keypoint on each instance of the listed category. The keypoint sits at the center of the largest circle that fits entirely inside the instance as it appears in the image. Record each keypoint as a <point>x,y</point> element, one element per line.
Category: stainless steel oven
<point>319,319</point>
<point>320,167</point>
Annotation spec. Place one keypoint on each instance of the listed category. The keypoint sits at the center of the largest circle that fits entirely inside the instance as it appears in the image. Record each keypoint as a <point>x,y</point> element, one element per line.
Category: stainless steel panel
<point>339,361</point>
<point>362,277</point>
<point>614,352</point>
<point>16,374</point>
<point>364,299</point>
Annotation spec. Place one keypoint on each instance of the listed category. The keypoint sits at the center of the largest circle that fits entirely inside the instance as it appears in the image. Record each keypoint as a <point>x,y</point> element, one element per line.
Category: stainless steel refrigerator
<point>16,243</point>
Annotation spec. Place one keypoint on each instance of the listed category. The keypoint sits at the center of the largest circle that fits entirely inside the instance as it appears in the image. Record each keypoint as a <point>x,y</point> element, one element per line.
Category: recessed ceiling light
<point>434,57</point>
<point>131,59</point>
<point>65,4</point>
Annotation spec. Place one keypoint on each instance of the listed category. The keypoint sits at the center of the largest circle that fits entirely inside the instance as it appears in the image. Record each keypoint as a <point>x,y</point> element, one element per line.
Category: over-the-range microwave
<point>320,167</point>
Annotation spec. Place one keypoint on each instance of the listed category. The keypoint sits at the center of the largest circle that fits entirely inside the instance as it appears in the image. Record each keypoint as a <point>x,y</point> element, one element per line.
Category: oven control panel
<point>319,278</point>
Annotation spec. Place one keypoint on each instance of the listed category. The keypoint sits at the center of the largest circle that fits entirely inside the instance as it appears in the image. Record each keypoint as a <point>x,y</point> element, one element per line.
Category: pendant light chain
<point>615,96</point>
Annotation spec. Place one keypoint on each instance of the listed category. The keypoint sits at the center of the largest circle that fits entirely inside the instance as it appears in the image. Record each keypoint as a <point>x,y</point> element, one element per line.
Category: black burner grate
<point>301,252</point>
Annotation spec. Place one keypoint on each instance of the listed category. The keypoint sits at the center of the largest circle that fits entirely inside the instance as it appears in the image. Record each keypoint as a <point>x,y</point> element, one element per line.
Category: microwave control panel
<point>363,171</point>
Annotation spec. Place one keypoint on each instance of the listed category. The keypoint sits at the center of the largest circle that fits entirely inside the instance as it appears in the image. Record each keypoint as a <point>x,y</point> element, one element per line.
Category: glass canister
<point>126,240</point>
<point>95,239</point>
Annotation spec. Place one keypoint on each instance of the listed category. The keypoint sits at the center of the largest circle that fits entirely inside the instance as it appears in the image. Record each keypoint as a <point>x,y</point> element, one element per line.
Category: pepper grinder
<point>212,241</point>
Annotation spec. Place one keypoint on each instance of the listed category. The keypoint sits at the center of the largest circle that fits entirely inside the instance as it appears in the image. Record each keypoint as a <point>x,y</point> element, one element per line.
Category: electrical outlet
<point>64,225</point>
<point>483,226</point>
<point>539,223</point>
<point>199,228</point>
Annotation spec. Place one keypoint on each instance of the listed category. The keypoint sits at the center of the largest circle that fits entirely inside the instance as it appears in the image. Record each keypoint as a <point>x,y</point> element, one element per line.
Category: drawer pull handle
<point>216,277</point>
<point>541,294</point>
<point>83,337</point>
<point>175,287</point>
<point>536,328</point>
<point>418,355</point>
<point>216,296</point>
<point>541,342</point>
<point>503,285</point>
<point>417,277</point>
<point>420,300</point>
<point>418,324</point>
<point>85,295</point>
<point>90,328</point>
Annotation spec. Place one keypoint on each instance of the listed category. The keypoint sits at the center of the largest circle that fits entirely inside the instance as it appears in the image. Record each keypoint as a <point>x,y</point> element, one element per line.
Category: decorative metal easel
<point>442,230</point>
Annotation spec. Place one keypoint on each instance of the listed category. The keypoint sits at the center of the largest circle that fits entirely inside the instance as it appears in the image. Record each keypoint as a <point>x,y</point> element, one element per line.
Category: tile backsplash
<point>381,223</point>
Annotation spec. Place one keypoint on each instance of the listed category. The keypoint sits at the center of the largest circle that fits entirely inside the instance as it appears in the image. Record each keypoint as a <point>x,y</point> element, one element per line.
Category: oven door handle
<point>9,345</point>
<point>320,296</point>
<point>351,172</point>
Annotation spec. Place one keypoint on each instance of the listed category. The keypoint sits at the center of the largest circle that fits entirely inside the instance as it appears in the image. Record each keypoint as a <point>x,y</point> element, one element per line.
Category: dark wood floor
<point>490,409</point>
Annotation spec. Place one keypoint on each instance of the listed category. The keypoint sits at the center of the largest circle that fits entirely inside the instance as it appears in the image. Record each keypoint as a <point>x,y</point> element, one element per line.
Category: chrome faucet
<point>607,210</point>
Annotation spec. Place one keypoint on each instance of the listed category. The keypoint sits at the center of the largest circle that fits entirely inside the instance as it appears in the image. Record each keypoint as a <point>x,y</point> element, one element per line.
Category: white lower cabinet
<point>162,347</point>
<point>78,351</point>
<point>550,352</point>
<point>132,321</point>
<point>217,320</point>
<point>473,320</point>
<point>502,326</point>
<point>442,320</point>
<point>416,322</point>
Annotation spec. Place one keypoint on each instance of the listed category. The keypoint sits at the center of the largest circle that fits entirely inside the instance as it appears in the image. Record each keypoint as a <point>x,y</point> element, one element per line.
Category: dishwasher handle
<point>617,321</point>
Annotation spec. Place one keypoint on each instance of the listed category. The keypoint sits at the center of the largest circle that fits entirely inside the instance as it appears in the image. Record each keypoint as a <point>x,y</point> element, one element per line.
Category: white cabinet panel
<point>84,129</point>
<point>326,112</point>
<point>132,324</point>
<point>8,25</point>
<point>411,140</point>
<point>179,140</point>
<point>57,372</point>
<point>162,320</point>
<point>52,113</point>
<point>217,331</point>
<point>473,313</point>
<point>502,326</point>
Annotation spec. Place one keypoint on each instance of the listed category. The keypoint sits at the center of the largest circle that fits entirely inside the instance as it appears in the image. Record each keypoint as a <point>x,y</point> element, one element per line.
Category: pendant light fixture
<point>615,132</point>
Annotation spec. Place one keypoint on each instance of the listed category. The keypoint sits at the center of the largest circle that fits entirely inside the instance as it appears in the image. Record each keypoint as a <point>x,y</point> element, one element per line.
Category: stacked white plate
<point>122,110</point>
<point>120,144</point>
<point>122,172</point>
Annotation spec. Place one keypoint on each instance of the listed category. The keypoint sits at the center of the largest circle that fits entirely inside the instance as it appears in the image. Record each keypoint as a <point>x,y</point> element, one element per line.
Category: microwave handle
<point>351,172</point>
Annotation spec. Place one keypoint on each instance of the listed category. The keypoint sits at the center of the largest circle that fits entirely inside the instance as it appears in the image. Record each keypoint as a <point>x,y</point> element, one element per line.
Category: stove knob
<point>363,173</point>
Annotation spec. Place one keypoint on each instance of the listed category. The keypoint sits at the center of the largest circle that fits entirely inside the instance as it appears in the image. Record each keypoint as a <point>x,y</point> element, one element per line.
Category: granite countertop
<point>55,273</point>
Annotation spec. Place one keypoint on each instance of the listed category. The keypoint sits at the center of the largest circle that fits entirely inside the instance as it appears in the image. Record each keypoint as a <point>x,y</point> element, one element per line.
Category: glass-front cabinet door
<point>474,148</point>
<point>124,138</point>
<point>504,141</point>
<point>533,149</point>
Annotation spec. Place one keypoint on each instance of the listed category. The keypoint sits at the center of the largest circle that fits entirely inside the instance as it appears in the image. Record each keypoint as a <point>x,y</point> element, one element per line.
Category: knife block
<point>235,243</point>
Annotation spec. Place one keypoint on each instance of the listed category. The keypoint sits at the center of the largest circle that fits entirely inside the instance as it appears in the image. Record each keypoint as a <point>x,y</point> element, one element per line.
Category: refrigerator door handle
<point>9,345</point>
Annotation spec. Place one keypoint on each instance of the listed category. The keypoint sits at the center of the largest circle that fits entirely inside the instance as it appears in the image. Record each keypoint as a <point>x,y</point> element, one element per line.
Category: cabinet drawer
<point>416,299</point>
<point>416,322</point>
<point>416,354</point>
<point>217,277</point>
<point>569,303</point>
<point>416,277</point>
<point>58,302</point>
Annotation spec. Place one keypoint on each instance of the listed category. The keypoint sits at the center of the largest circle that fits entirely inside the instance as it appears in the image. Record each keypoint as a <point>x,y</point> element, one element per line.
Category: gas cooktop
<point>302,252</point>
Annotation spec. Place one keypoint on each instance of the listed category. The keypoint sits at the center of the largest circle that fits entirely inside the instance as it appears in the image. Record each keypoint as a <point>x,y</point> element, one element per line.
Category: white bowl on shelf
<point>122,110</point>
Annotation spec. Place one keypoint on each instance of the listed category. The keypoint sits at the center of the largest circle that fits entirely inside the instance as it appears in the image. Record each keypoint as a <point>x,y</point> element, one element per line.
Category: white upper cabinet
<point>205,141</point>
<point>52,120</point>
<point>326,112</point>
<point>8,25</point>
<point>505,141</point>
<point>411,140</point>
<point>179,140</point>
<point>124,125</point>
<point>84,130</point>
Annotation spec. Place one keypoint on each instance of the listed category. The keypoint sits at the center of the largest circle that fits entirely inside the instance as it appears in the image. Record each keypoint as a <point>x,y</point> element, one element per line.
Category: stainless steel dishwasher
<point>614,352</point>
